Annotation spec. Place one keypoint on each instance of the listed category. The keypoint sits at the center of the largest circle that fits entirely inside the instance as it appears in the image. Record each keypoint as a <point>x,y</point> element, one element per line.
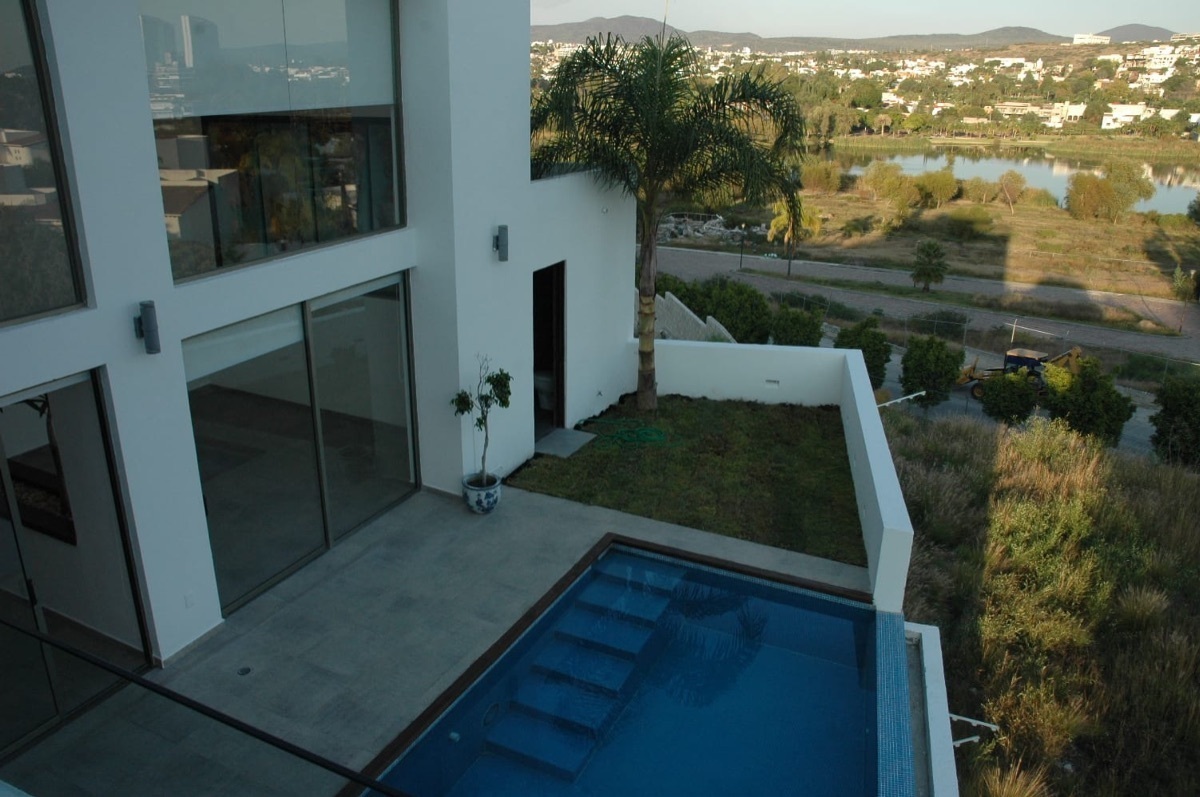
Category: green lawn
<point>772,473</point>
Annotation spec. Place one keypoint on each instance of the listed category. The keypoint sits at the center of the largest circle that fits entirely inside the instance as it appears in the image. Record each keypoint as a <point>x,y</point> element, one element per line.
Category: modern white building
<point>321,265</point>
<point>1091,38</point>
<point>257,270</point>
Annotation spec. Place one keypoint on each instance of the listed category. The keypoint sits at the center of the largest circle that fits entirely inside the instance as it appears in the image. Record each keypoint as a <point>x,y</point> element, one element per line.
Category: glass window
<point>358,357</point>
<point>273,471</point>
<point>256,447</point>
<point>36,269</point>
<point>275,124</point>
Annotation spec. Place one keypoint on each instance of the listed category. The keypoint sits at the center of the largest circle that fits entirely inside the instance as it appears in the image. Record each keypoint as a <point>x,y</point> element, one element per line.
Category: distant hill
<point>1137,33</point>
<point>637,27</point>
<point>628,28</point>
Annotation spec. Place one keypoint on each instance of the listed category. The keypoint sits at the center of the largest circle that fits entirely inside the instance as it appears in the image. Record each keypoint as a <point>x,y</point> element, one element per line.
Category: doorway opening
<point>549,350</point>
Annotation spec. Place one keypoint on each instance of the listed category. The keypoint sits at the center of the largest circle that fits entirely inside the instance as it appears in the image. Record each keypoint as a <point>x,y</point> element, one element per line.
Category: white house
<point>230,330</point>
<point>323,275</point>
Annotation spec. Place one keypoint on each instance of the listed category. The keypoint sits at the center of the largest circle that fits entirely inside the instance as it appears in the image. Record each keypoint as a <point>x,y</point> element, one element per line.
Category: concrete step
<point>565,703</point>
<point>607,633</point>
<point>638,573</point>
<point>542,744</point>
<point>587,666</point>
<point>611,598</point>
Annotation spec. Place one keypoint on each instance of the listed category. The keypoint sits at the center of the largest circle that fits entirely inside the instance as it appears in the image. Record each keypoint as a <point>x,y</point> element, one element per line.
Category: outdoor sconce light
<point>145,326</point>
<point>500,242</point>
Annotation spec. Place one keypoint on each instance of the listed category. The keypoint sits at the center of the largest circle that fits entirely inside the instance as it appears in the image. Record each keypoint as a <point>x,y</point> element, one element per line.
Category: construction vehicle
<point>1034,362</point>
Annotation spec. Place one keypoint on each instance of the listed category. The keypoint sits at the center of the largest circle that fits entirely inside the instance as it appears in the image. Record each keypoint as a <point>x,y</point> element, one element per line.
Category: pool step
<point>614,599</point>
<point>566,704</point>
<point>541,744</point>
<point>577,685</point>
<point>609,634</point>
<point>583,665</point>
<point>634,573</point>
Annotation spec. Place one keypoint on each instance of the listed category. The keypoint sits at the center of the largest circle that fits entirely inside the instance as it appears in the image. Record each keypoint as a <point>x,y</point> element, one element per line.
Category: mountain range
<point>632,28</point>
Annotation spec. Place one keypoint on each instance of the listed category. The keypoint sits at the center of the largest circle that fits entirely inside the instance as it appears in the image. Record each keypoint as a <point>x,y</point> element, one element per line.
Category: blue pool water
<point>653,676</point>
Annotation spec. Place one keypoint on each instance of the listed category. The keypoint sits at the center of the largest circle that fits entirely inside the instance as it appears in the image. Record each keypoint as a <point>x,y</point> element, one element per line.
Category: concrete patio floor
<point>348,651</point>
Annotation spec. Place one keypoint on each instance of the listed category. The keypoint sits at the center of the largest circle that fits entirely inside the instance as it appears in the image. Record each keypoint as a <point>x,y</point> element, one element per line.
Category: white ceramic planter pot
<point>481,499</point>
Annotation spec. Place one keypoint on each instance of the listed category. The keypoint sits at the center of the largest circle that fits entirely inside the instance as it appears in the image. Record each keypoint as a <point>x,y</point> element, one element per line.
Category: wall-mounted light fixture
<point>500,242</point>
<point>145,327</point>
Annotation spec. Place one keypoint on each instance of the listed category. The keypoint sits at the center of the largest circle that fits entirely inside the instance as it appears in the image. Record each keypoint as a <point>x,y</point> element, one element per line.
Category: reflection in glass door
<point>64,556</point>
<point>256,448</point>
<point>362,393</point>
<point>26,699</point>
<point>302,421</point>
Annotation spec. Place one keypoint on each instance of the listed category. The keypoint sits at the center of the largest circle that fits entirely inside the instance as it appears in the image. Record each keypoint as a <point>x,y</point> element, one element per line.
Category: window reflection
<point>36,271</point>
<point>274,125</point>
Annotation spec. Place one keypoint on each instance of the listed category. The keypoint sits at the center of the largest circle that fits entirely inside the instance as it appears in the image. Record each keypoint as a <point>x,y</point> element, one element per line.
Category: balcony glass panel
<point>275,125</point>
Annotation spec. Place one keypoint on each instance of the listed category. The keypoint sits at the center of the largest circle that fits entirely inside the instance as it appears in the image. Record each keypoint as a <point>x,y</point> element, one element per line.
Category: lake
<point>1175,186</point>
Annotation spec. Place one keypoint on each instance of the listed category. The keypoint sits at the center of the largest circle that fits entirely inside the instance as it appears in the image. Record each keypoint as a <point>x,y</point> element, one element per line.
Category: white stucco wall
<point>467,149</point>
<point>887,529</point>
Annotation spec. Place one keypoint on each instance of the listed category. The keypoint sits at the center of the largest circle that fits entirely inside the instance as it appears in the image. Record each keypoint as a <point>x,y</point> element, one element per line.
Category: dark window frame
<point>47,81</point>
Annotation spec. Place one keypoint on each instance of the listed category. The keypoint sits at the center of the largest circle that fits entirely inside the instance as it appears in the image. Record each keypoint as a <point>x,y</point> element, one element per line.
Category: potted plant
<point>481,490</point>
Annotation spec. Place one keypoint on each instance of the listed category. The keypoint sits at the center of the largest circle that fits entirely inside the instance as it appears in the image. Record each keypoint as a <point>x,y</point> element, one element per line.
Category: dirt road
<point>697,264</point>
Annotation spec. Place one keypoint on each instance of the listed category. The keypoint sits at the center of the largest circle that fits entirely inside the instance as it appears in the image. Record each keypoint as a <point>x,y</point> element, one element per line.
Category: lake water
<point>1175,186</point>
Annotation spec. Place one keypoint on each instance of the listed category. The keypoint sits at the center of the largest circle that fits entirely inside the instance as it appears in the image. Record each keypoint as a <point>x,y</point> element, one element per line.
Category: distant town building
<point>1091,38</point>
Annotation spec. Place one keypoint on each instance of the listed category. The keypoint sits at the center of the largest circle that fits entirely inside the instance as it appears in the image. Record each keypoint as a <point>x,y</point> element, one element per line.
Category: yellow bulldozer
<point>1034,362</point>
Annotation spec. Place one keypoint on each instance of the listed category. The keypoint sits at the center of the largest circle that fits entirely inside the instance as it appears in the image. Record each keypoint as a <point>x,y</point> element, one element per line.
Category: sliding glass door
<point>302,427</point>
<point>255,445</point>
<point>362,392</point>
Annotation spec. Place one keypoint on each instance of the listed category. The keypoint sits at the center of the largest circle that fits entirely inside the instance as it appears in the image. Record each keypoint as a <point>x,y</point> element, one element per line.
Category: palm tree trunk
<point>647,388</point>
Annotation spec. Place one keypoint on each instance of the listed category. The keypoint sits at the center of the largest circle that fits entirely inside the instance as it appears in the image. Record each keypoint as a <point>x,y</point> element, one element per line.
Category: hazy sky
<point>863,18</point>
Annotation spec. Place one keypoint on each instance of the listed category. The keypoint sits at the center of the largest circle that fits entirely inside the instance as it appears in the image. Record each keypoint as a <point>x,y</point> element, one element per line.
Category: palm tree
<point>793,221</point>
<point>637,115</point>
<point>929,265</point>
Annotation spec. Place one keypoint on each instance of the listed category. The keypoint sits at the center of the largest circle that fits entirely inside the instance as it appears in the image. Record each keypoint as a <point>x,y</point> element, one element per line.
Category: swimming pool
<point>652,675</point>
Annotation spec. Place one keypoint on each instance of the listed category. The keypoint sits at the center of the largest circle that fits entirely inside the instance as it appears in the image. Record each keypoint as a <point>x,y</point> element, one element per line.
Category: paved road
<point>697,264</point>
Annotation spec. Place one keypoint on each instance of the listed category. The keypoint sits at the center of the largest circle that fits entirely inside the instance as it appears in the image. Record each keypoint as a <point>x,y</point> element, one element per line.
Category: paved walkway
<point>345,653</point>
<point>698,264</point>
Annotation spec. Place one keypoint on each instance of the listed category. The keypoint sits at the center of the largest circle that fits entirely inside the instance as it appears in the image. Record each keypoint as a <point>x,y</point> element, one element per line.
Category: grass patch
<point>1066,581</point>
<point>776,474</point>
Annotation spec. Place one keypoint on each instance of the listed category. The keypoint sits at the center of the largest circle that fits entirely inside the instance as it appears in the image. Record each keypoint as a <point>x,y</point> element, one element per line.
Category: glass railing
<point>141,738</point>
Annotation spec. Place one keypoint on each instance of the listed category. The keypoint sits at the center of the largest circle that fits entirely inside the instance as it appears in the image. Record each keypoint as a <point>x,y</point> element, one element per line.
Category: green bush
<point>822,176</point>
<point>1183,285</point>
<point>932,366</point>
<point>867,337</point>
<point>796,327</point>
<point>1038,198</point>
<point>1176,436</point>
<point>669,282</point>
<point>979,190</point>
<point>1087,401</point>
<point>741,309</point>
<point>1009,398</point>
